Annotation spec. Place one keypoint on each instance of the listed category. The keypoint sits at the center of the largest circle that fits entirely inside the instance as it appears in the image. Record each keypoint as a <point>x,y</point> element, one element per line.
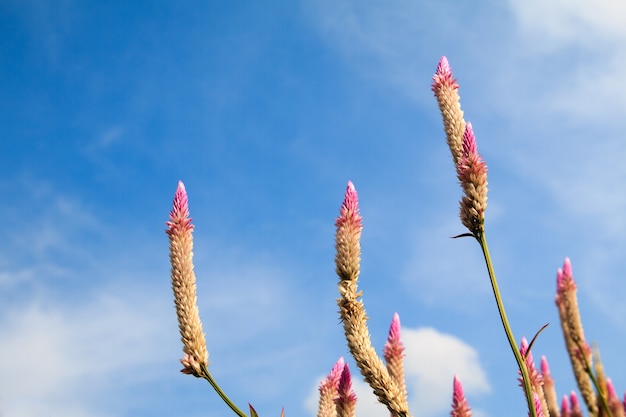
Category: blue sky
<point>265,111</point>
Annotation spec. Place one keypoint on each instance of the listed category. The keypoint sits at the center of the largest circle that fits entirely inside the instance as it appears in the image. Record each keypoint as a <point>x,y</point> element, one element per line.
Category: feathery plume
<point>472,174</point>
<point>446,91</point>
<point>352,311</point>
<point>394,354</point>
<point>346,400</point>
<point>328,391</point>
<point>549,390</point>
<point>460,407</point>
<point>571,324</point>
<point>184,285</point>
<point>536,379</point>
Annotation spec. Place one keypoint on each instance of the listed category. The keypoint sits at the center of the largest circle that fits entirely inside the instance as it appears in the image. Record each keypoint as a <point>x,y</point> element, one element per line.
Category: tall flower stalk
<point>195,359</point>
<point>352,311</point>
<point>472,175</point>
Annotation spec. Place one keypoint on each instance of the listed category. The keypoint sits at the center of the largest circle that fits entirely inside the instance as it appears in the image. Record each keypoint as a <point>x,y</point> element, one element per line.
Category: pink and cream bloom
<point>328,390</point>
<point>549,390</point>
<point>394,353</point>
<point>615,405</point>
<point>472,174</point>
<point>446,89</point>
<point>460,407</point>
<point>576,411</point>
<point>571,324</point>
<point>535,378</point>
<point>565,411</point>
<point>347,239</point>
<point>346,399</point>
<point>179,230</point>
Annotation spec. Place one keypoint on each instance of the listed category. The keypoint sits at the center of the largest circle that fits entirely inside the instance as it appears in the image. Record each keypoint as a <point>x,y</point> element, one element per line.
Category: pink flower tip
<point>394,329</point>
<point>567,267</point>
<point>443,68</point>
<point>469,141</point>
<point>349,211</point>
<point>332,379</point>
<point>611,390</point>
<point>346,393</point>
<point>457,388</point>
<point>573,399</point>
<point>545,368</point>
<point>179,215</point>
<point>565,406</point>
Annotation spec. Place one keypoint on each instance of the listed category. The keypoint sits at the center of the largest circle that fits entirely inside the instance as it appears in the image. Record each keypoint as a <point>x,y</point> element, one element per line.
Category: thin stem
<point>207,375</point>
<point>521,363</point>
<point>594,380</point>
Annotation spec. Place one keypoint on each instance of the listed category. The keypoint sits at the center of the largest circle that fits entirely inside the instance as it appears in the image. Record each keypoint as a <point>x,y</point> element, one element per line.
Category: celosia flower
<point>472,174</point>
<point>446,88</point>
<point>394,353</point>
<point>328,391</point>
<point>576,410</point>
<point>571,324</point>
<point>184,285</point>
<point>460,407</point>
<point>565,411</point>
<point>615,405</point>
<point>536,379</point>
<point>346,400</point>
<point>538,406</point>
<point>352,311</point>
<point>549,390</point>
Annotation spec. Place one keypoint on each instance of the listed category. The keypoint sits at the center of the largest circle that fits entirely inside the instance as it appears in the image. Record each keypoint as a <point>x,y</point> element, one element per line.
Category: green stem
<point>521,363</point>
<point>207,375</point>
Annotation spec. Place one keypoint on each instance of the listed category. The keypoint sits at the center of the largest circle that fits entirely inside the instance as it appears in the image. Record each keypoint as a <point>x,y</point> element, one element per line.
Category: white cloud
<point>432,359</point>
<point>67,359</point>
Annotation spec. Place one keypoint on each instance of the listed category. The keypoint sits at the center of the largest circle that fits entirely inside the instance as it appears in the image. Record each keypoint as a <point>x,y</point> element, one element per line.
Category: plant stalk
<point>521,362</point>
<point>207,375</point>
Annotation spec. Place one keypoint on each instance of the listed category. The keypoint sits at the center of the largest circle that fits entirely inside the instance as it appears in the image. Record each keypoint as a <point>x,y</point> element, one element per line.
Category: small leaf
<point>252,411</point>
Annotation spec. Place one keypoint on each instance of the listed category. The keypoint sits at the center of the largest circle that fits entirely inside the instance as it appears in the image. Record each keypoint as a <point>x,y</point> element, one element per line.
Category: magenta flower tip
<point>179,215</point>
<point>611,390</point>
<point>457,388</point>
<point>349,211</point>
<point>545,368</point>
<point>567,267</point>
<point>565,406</point>
<point>443,68</point>
<point>469,141</point>
<point>394,329</point>
<point>346,393</point>
<point>573,398</point>
<point>335,373</point>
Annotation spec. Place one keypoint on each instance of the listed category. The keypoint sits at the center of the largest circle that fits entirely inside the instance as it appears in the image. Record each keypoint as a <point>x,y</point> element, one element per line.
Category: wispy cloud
<point>70,358</point>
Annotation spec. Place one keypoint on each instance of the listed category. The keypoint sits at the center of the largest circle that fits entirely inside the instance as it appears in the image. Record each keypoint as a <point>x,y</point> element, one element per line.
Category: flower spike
<point>472,174</point>
<point>184,285</point>
<point>579,352</point>
<point>328,390</point>
<point>394,354</point>
<point>460,407</point>
<point>346,400</point>
<point>446,89</point>
<point>549,390</point>
<point>352,311</point>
